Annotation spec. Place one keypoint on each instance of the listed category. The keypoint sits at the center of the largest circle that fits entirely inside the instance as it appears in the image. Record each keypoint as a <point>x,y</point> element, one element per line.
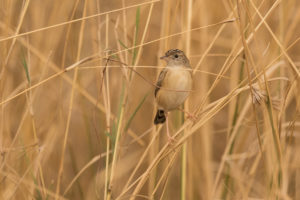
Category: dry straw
<point>77,105</point>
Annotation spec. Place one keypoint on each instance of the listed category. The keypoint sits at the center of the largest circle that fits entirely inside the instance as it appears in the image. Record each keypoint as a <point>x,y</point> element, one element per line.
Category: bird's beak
<point>163,57</point>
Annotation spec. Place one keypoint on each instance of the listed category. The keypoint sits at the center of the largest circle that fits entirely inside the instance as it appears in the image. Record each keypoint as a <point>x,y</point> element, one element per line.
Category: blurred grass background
<point>77,100</point>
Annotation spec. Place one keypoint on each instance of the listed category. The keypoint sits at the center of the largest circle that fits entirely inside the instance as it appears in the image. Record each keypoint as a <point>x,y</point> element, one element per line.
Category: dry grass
<point>77,105</point>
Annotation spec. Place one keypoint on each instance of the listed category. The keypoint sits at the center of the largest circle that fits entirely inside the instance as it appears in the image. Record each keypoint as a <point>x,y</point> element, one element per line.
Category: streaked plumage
<point>174,83</point>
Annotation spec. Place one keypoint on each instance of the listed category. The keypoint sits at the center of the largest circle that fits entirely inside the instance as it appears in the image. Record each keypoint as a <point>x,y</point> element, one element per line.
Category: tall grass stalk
<point>77,123</point>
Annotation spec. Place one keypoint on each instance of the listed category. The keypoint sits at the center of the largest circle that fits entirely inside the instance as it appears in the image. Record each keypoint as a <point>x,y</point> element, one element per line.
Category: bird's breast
<point>175,88</point>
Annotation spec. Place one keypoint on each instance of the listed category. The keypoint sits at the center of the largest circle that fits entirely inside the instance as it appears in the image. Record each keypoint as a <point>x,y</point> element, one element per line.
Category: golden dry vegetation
<point>77,100</point>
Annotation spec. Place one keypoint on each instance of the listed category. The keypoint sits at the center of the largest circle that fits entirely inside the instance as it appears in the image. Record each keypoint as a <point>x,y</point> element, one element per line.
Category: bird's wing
<point>160,80</point>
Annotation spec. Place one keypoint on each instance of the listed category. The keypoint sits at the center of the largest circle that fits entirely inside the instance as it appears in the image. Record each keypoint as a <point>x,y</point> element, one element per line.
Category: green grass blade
<point>110,135</point>
<point>121,103</point>
<point>137,25</point>
<point>25,66</point>
<point>124,46</point>
<point>227,179</point>
<point>115,124</point>
<point>135,111</point>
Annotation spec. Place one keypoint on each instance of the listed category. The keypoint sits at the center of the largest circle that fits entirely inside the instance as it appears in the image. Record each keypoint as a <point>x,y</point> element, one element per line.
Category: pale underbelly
<point>180,85</point>
<point>171,100</point>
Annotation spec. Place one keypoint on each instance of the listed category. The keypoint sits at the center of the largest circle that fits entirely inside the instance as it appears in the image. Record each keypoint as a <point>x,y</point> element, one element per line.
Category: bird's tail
<point>160,117</point>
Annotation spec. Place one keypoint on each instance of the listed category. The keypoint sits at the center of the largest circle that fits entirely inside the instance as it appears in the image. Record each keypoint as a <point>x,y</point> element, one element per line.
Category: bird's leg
<point>189,115</point>
<point>170,138</point>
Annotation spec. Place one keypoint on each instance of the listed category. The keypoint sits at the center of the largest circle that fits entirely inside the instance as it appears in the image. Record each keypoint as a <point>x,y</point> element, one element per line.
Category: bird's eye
<point>176,56</point>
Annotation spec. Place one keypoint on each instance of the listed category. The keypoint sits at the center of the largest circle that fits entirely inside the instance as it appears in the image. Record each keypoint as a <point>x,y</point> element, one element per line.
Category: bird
<point>173,85</point>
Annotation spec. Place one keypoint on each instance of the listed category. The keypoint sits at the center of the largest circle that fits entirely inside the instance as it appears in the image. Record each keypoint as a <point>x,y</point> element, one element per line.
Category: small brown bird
<point>173,85</point>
